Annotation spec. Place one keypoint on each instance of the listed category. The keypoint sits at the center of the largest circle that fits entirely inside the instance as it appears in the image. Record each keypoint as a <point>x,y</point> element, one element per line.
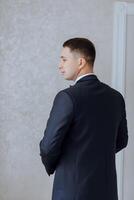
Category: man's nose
<point>60,66</point>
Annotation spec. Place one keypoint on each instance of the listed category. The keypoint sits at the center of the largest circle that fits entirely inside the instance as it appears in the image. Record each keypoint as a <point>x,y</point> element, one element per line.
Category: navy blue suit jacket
<point>86,127</point>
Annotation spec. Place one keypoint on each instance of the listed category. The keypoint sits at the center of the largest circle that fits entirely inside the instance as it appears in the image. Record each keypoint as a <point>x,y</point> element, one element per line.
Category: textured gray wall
<point>31,37</point>
<point>129,158</point>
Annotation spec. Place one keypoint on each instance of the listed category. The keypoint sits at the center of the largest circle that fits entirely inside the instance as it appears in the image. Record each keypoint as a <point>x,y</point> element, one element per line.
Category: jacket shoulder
<point>113,90</point>
<point>65,91</point>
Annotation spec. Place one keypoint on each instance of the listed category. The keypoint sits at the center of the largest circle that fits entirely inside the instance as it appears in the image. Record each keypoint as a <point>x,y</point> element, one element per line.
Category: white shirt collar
<point>79,77</point>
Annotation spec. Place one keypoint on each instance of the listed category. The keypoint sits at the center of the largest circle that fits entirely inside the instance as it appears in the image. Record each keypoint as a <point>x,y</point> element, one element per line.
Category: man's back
<point>81,144</point>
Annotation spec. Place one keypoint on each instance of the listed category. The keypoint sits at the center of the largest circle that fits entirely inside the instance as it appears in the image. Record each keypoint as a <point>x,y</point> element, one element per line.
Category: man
<point>87,126</point>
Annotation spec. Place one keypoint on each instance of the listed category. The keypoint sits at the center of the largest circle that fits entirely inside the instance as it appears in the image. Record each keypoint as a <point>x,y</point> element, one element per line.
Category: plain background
<point>31,36</point>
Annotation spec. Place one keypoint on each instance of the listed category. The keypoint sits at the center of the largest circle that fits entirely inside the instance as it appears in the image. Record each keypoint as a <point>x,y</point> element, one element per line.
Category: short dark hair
<point>83,46</point>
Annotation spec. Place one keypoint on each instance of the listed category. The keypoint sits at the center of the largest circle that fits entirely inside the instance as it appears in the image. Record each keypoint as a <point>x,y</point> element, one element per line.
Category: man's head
<point>77,58</point>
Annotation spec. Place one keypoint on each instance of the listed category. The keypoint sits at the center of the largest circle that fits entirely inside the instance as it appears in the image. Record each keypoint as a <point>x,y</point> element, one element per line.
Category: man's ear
<point>82,62</point>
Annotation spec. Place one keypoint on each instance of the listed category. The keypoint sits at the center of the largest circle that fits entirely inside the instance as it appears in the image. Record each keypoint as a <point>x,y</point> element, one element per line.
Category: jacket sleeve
<point>58,123</point>
<point>122,135</point>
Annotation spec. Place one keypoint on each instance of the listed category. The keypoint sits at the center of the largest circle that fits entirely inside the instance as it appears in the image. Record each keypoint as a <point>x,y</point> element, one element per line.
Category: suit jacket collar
<point>91,77</point>
<point>87,78</point>
<point>79,77</point>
